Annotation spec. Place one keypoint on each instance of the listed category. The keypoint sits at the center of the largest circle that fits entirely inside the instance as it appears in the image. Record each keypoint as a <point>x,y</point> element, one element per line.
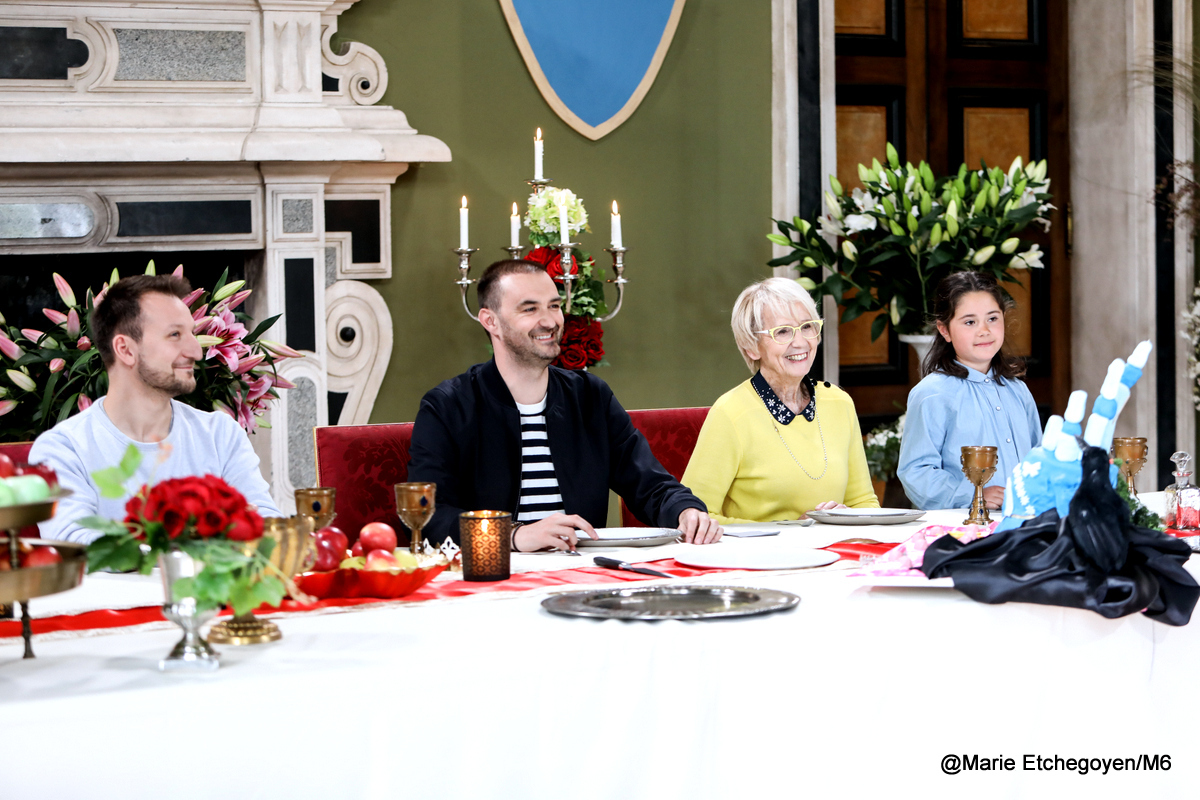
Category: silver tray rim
<point>574,604</point>
<point>876,519</point>
<point>641,541</point>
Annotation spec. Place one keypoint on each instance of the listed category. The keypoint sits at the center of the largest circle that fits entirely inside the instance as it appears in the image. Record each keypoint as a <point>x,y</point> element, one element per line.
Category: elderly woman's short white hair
<point>783,296</point>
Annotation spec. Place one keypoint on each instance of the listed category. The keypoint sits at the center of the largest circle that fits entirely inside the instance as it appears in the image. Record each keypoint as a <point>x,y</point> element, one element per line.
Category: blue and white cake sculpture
<point>1051,472</point>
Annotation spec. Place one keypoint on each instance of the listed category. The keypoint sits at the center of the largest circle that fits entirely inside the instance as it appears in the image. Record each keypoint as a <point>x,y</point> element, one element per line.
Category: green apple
<point>7,498</point>
<point>28,488</point>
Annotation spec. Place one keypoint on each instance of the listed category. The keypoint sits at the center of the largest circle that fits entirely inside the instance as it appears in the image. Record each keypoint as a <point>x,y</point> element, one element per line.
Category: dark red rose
<point>245,525</point>
<point>173,521</point>
<point>133,506</point>
<point>574,357</point>
<point>225,496</point>
<point>551,259</point>
<point>193,496</point>
<point>581,343</point>
<point>211,522</point>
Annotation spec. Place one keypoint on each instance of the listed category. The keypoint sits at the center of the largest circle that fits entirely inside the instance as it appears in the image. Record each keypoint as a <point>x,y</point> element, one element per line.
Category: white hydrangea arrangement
<point>542,217</point>
<point>882,446</point>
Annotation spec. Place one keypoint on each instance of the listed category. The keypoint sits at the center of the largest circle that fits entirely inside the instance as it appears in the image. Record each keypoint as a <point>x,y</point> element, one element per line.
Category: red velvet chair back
<point>364,463</point>
<point>17,451</point>
<point>672,434</point>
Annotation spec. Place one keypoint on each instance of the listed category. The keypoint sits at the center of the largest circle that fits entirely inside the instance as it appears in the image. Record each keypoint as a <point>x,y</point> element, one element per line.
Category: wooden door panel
<point>860,17</point>
<point>995,19</point>
<point>995,136</point>
<point>862,134</point>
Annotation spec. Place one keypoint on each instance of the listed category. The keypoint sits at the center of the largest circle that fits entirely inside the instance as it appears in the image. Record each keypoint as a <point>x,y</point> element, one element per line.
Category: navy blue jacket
<point>467,440</point>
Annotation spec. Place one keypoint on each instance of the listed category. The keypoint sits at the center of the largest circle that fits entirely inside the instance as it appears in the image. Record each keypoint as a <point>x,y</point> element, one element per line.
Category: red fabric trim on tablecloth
<point>521,582</point>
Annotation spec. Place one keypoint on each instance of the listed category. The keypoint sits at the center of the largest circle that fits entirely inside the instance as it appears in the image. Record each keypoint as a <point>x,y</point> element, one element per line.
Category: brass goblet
<point>295,552</point>
<point>979,465</point>
<point>415,505</point>
<point>318,504</point>
<point>1132,452</point>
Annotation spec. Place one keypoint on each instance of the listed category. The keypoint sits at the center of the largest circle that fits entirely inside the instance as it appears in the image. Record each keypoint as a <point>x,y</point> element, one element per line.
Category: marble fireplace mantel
<point>144,125</point>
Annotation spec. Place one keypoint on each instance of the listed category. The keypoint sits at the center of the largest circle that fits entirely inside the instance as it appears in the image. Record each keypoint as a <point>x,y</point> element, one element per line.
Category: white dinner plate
<point>629,537</point>
<point>855,516</point>
<point>710,557</point>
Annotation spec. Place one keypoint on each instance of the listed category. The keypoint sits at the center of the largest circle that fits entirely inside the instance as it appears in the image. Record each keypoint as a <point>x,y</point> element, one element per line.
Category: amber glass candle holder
<point>486,544</point>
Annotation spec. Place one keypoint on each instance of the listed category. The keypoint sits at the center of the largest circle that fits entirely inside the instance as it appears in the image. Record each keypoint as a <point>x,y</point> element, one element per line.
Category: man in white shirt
<point>144,334</point>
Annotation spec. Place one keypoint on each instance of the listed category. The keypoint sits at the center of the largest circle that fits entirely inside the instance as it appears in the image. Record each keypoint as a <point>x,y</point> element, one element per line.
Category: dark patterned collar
<point>782,414</point>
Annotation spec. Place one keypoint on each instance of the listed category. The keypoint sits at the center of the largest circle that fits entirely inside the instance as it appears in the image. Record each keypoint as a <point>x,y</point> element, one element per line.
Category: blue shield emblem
<point>593,60</point>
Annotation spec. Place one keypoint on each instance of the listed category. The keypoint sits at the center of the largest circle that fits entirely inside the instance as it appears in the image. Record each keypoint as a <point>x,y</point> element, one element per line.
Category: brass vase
<point>979,465</point>
<point>295,552</point>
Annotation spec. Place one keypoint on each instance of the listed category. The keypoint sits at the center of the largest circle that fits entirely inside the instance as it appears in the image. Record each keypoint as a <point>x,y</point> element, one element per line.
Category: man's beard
<point>525,350</point>
<point>165,380</point>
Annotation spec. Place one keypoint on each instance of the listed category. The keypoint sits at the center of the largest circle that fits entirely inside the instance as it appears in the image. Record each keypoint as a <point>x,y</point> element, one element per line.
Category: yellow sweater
<point>743,472</point>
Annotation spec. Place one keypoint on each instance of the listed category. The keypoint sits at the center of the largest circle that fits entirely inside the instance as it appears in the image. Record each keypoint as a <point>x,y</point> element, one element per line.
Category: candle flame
<point>538,136</point>
<point>515,212</point>
<point>464,205</point>
<point>615,207</point>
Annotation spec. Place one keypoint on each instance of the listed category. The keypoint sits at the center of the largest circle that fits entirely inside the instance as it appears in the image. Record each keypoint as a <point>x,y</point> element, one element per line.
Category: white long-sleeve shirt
<point>201,443</point>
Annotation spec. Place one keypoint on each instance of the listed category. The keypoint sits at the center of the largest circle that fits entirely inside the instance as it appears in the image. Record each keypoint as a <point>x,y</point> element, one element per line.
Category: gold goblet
<point>1132,452</point>
<point>318,504</point>
<point>979,465</point>
<point>295,552</point>
<point>415,505</point>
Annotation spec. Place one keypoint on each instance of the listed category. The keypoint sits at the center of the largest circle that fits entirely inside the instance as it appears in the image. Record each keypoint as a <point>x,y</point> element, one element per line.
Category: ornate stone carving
<point>358,341</point>
<point>360,71</point>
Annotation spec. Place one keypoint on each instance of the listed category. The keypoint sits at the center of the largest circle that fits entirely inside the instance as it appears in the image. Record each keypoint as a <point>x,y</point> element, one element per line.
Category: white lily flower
<point>830,226</point>
<point>859,222</point>
<point>863,201</point>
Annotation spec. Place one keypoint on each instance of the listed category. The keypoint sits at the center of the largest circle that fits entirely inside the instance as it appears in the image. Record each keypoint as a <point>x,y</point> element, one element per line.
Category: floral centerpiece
<point>882,446</point>
<point>204,517</point>
<point>905,230</point>
<point>46,376</point>
<point>583,336</point>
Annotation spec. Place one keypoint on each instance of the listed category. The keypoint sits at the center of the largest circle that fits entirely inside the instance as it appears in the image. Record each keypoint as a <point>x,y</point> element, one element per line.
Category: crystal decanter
<point>1183,497</point>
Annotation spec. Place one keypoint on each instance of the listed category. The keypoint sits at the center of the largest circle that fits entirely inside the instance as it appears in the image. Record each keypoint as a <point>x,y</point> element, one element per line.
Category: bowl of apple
<point>374,567</point>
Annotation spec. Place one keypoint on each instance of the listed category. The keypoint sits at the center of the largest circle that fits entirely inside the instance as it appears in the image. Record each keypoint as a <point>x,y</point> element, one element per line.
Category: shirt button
<point>997,408</point>
<point>1008,440</point>
<point>987,380</point>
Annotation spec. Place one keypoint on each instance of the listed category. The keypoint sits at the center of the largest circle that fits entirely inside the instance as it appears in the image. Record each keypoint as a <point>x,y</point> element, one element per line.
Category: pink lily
<point>10,348</point>
<point>32,334</point>
<point>100,297</point>
<point>73,326</point>
<point>57,317</point>
<point>83,403</point>
<point>237,299</point>
<point>247,364</point>
<point>199,312</point>
<point>201,324</point>
<point>22,380</point>
<point>259,387</point>
<point>7,406</point>
<point>56,364</point>
<point>280,350</point>
<point>192,297</point>
<point>222,407</point>
<point>178,273</point>
<point>64,290</point>
<point>282,382</point>
<point>84,343</point>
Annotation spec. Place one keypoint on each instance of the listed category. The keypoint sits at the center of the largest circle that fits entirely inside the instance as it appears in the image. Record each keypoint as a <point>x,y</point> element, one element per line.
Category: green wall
<point>691,170</point>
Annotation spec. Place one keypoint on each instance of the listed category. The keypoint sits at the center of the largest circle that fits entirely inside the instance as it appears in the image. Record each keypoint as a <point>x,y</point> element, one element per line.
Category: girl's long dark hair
<point>941,356</point>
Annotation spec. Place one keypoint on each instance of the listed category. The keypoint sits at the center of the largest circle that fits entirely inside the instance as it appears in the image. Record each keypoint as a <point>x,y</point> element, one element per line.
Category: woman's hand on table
<point>828,505</point>
<point>698,527</point>
<point>993,496</point>
<point>555,532</point>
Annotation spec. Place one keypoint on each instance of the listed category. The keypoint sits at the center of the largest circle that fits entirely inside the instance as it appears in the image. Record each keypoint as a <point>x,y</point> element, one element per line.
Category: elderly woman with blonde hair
<point>779,445</point>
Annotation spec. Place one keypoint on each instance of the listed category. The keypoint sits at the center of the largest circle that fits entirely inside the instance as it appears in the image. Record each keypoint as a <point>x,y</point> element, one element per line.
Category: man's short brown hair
<point>489,290</point>
<point>120,312</point>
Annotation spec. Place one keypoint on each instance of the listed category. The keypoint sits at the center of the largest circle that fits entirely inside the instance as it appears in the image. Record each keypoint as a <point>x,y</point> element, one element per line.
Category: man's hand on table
<point>993,496</point>
<point>698,527</point>
<point>555,532</point>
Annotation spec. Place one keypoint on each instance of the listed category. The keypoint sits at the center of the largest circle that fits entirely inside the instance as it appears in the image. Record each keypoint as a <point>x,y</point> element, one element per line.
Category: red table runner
<point>521,582</point>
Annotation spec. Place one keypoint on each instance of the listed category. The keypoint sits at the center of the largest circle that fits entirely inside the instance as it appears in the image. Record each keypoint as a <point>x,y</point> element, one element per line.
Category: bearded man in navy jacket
<point>516,434</point>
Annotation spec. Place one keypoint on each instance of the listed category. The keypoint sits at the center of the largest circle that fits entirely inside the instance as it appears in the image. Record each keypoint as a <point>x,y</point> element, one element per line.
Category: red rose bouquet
<point>582,341</point>
<point>203,516</point>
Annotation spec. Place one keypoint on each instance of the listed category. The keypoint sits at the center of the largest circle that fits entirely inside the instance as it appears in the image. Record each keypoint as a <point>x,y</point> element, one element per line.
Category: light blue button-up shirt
<point>947,413</point>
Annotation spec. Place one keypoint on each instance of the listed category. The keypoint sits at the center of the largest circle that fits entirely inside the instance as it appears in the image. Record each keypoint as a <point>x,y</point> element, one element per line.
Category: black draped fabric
<point>1094,559</point>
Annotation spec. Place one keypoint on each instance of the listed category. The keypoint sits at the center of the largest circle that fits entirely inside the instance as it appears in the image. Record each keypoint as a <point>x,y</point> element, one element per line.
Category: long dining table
<point>862,690</point>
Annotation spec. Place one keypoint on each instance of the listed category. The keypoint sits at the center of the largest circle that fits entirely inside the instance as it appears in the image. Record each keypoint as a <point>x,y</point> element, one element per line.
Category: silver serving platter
<point>671,602</point>
<point>825,518</point>
<point>665,536</point>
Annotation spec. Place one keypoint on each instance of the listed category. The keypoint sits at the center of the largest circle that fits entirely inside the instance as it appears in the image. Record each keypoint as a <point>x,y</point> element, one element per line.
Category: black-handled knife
<point>612,563</point>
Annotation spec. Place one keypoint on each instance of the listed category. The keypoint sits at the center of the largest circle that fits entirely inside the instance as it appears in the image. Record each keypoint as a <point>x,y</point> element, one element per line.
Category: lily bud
<point>84,344</point>
<point>894,313</point>
<point>876,167</point>
<point>73,324</point>
<point>809,262</point>
<point>150,268</point>
<point>1016,262</point>
<point>836,185</point>
<point>7,406</point>
<point>849,250</point>
<point>864,175</point>
<point>962,171</point>
<point>112,279</point>
<point>926,204</point>
<point>913,223</point>
<point>935,235</point>
<point>980,202</point>
<point>227,290</point>
<point>281,350</point>
<point>804,225</point>
<point>1019,189</point>
<point>888,208</point>
<point>178,273</point>
<point>993,195</point>
<point>974,181</point>
<point>56,364</point>
<point>10,348</point>
<point>32,334</point>
<point>895,226</point>
<point>773,238</point>
<point>807,284</point>
<point>1014,167</point>
<point>952,210</point>
<point>21,380</point>
<point>57,317</point>
<point>892,156</point>
<point>64,290</point>
<point>209,341</point>
<point>983,255</point>
<point>831,203</point>
<point>192,297</point>
<point>951,227</point>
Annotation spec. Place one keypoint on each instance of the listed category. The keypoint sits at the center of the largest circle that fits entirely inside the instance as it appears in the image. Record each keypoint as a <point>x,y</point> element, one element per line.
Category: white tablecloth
<point>859,692</point>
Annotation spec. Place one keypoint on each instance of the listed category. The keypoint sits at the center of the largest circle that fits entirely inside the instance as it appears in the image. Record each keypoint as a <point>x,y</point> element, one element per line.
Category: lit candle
<point>462,225</point>
<point>538,152</point>
<point>562,223</point>
<point>515,221</point>
<point>616,226</point>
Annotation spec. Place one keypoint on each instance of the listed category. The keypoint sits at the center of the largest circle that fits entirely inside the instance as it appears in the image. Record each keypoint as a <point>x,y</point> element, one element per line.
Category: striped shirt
<point>539,488</point>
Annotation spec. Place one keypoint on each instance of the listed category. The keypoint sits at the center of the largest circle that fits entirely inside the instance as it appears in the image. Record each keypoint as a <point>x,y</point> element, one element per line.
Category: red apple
<point>328,555</point>
<point>381,560</point>
<point>335,537</point>
<point>7,468</point>
<point>356,551</point>
<point>378,536</point>
<point>41,556</point>
<point>47,474</point>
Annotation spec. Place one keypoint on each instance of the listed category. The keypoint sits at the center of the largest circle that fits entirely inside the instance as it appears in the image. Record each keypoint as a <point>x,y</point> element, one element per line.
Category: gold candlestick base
<point>244,629</point>
<point>979,465</point>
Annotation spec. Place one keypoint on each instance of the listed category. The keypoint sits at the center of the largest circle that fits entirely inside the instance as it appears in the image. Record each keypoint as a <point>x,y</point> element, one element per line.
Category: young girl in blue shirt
<point>972,394</point>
